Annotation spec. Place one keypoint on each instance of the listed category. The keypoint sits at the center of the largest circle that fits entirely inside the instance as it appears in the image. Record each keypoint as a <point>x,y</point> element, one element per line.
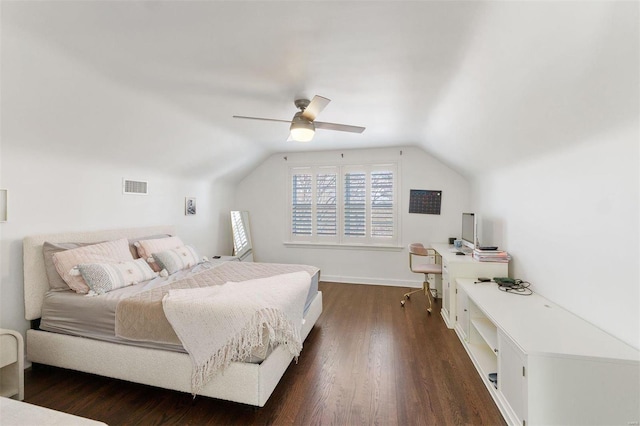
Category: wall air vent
<point>135,187</point>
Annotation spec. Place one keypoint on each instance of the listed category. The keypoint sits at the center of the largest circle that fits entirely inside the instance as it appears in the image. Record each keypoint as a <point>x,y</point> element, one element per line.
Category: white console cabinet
<point>454,267</point>
<point>462,304</point>
<point>552,366</point>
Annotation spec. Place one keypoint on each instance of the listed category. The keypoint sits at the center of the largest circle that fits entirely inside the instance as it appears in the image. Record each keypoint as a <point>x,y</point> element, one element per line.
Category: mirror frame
<point>241,233</point>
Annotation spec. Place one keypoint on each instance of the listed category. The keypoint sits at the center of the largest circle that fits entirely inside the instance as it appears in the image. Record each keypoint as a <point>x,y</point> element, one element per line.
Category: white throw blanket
<point>221,324</point>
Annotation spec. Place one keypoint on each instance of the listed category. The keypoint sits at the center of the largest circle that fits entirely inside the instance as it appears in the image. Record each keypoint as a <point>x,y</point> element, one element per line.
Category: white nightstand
<point>11,364</point>
<point>226,258</point>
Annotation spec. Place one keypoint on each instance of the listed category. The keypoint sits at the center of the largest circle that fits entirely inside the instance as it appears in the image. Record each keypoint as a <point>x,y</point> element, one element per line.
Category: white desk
<point>553,367</point>
<point>453,267</point>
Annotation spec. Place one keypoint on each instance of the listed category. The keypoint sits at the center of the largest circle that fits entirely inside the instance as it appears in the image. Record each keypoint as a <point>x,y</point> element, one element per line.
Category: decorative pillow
<point>104,277</point>
<point>146,248</point>
<point>177,259</point>
<point>56,283</point>
<point>133,241</point>
<point>107,252</point>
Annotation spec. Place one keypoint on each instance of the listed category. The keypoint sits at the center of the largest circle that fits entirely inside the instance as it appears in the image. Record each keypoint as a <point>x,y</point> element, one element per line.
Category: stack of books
<point>492,255</point>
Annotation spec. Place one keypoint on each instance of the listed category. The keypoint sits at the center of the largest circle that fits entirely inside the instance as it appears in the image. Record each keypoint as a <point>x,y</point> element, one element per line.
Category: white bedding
<point>76,314</point>
<point>247,383</point>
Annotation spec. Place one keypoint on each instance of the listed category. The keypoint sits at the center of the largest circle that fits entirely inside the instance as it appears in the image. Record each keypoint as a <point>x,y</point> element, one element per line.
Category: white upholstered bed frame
<point>240,382</point>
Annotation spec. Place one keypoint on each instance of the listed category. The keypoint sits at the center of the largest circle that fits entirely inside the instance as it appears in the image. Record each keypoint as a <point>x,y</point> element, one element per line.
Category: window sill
<point>372,247</point>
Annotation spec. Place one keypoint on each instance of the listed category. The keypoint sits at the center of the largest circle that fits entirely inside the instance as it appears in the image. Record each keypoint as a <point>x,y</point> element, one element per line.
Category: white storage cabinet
<point>454,267</point>
<point>553,367</point>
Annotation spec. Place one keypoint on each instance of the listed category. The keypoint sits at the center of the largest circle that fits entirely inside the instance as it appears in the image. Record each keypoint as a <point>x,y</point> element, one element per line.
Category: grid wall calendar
<point>425,201</point>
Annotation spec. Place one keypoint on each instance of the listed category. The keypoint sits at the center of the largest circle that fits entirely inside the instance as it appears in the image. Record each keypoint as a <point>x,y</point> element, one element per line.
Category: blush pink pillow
<point>146,248</point>
<point>107,252</point>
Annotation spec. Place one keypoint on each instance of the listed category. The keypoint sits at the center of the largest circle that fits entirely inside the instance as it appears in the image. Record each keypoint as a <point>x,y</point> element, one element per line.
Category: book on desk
<point>491,254</point>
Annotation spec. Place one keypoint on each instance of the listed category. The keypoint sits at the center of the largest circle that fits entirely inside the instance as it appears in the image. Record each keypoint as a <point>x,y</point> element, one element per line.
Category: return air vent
<point>135,187</point>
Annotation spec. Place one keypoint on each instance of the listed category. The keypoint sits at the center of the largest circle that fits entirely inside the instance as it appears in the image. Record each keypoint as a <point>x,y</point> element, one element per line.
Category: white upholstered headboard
<point>36,283</point>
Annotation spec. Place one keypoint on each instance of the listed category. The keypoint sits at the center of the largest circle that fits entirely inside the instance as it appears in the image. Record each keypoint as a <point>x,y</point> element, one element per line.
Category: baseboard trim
<point>370,281</point>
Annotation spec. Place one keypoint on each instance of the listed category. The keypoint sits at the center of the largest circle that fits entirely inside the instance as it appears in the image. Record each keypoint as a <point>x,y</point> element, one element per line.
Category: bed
<point>166,367</point>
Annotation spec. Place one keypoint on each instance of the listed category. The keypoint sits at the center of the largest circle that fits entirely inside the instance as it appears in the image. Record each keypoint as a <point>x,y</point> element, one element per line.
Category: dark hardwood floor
<point>367,361</point>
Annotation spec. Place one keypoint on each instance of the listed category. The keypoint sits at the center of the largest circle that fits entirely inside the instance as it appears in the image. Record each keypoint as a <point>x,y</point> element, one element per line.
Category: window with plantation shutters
<point>355,204</point>
<point>344,204</point>
<point>302,204</point>
<point>326,204</point>
<point>382,202</point>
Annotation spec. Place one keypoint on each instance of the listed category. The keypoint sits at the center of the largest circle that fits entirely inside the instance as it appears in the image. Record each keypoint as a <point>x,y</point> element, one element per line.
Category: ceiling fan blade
<point>315,107</point>
<point>339,127</point>
<point>262,119</point>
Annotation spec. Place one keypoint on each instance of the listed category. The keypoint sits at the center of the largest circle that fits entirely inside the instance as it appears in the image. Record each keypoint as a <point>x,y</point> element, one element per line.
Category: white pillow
<point>146,248</point>
<point>177,259</point>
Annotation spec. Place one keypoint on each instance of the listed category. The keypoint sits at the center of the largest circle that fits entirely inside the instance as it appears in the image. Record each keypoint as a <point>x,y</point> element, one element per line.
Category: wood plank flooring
<point>367,361</point>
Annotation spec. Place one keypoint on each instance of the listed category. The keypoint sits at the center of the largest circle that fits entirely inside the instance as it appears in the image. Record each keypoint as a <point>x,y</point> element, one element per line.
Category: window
<point>344,204</point>
<point>302,204</point>
<point>326,204</point>
<point>355,204</point>
<point>382,195</point>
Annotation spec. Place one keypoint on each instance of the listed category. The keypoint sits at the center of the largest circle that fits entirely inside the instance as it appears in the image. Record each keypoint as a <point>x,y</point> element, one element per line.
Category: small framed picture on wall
<point>190,206</point>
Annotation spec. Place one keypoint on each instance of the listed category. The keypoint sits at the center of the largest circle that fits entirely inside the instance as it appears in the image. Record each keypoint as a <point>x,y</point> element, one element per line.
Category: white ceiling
<point>476,84</point>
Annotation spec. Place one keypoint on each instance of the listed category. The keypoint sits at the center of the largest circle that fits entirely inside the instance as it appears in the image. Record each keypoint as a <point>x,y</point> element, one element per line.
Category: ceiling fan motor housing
<point>301,104</point>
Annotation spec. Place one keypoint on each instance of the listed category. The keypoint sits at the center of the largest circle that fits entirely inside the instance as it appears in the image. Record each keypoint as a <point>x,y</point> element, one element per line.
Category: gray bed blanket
<point>141,317</point>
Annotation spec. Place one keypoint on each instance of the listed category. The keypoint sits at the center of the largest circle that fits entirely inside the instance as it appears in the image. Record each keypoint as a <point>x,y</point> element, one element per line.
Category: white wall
<point>570,220</point>
<point>69,135</point>
<point>49,195</point>
<point>264,194</point>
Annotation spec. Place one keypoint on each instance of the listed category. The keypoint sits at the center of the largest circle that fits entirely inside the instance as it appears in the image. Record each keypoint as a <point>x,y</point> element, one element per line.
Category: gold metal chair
<point>417,249</point>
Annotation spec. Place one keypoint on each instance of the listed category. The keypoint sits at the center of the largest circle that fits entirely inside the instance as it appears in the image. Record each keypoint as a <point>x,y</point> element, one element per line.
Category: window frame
<point>341,239</point>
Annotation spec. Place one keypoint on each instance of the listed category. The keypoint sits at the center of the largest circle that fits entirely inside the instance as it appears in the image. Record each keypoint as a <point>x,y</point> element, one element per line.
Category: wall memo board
<point>425,201</point>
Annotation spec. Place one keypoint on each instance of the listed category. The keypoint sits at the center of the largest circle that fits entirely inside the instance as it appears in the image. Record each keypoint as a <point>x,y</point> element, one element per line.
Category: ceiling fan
<point>303,124</point>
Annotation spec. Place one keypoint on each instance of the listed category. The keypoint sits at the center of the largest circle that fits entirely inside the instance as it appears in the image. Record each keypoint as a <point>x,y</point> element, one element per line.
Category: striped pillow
<point>107,252</point>
<point>104,277</point>
<point>177,259</point>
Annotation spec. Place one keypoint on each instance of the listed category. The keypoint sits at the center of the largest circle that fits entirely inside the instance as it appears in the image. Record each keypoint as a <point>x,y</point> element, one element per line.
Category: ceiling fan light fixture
<point>303,125</point>
<point>302,130</point>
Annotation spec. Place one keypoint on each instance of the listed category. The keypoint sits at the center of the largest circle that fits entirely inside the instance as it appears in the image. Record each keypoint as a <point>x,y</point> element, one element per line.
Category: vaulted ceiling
<point>476,84</point>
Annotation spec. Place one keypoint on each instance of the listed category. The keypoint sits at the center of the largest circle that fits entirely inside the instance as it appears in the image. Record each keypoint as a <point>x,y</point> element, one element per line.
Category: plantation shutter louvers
<point>382,211</point>
<point>355,196</point>
<point>326,204</point>
<point>351,204</point>
<point>301,208</point>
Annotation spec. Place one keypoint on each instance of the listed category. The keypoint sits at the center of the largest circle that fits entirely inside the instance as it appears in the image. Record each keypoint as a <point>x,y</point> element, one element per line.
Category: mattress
<point>67,312</point>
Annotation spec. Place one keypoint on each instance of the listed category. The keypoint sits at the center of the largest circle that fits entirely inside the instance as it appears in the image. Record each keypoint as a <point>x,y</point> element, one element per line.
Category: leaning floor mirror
<point>242,247</point>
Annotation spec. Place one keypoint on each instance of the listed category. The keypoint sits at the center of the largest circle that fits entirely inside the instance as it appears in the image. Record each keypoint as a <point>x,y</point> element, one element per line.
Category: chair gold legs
<point>408,295</point>
<point>427,291</point>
